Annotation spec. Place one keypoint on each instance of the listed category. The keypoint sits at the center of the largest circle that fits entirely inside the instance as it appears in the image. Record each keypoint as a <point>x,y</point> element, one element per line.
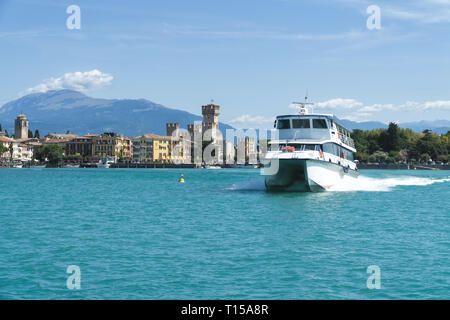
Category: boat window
<point>310,147</point>
<point>328,148</point>
<point>298,147</point>
<point>319,124</point>
<point>351,157</point>
<point>301,124</point>
<point>283,124</point>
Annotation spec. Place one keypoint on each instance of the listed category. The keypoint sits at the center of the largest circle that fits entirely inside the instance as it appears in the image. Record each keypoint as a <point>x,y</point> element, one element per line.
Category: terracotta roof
<point>6,139</point>
<point>153,136</point>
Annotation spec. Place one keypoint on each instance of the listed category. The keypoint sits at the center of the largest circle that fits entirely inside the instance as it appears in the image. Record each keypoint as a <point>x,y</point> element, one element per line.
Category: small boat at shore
<point>71,166</point>
<point>213,167</point>
<point>105,163</point>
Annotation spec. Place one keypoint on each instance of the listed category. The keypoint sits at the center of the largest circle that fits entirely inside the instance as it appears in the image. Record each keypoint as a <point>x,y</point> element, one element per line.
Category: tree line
<point>395,144</point>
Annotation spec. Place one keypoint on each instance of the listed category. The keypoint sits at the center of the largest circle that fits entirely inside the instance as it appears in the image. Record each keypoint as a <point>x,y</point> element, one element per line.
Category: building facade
<point>152,148</point>
<point>82,146</point>
<point>111,145</point>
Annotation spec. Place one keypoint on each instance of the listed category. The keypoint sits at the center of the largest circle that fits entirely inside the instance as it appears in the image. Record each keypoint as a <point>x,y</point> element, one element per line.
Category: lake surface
<point>138,234</point>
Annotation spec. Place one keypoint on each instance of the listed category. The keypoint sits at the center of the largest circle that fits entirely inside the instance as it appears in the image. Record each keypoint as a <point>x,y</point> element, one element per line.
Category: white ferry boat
<point>311,153</point>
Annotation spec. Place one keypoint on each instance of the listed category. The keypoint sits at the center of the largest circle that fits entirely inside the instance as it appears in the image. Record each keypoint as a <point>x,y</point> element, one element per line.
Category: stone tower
<point>21,127</point>
<point>172,129</point>
<point>211,114</point>
<point>195,130</point>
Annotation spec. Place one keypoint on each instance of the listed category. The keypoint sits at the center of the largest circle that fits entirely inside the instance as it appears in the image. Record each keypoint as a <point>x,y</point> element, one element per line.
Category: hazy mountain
<point>62,110</point>
<point>437,126</point>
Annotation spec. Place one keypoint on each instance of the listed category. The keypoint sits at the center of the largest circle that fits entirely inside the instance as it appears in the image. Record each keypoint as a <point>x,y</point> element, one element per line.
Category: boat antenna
<point>306,102</point>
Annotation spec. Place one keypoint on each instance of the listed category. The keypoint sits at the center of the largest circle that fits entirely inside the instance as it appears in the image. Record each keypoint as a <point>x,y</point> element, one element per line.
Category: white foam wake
<point>363,183</point>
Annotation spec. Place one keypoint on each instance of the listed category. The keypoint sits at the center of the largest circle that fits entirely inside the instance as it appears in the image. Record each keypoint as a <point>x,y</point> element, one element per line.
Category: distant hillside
<point>62,110</point>
<point>438,126</point>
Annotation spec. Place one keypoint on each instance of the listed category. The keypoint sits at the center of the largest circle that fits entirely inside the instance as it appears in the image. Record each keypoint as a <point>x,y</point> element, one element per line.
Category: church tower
<point>21,127</point>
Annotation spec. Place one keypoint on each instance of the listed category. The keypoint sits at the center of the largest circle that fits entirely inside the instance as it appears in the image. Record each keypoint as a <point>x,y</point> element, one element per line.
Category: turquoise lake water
<point>138,234</point>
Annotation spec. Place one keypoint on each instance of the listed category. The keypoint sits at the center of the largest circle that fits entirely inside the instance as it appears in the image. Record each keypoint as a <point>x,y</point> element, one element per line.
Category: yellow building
<point>152,148</point>
<point>111,145</point>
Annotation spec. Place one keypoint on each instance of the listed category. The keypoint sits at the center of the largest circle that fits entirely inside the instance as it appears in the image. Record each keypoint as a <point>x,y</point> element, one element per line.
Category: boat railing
<point>348,141</point>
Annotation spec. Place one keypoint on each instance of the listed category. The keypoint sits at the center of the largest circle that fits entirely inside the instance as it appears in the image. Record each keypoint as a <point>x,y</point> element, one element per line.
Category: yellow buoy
<point>181,179</point>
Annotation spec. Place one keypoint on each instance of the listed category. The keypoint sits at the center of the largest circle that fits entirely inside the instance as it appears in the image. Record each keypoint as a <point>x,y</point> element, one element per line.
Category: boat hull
<point>304,175</point>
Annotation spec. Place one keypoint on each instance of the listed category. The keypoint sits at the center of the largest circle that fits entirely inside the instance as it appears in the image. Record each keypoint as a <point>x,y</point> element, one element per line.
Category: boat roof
<point>309,115</point>
<point>324,115</point>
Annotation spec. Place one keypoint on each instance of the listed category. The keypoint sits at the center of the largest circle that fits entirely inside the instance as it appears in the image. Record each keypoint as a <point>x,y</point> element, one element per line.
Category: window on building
<point>283,124</point>
<point>319,124</point>
<point>301,124</point>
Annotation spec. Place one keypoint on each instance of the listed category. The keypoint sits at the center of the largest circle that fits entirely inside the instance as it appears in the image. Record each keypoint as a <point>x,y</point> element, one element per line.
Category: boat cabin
<point>312,127</point>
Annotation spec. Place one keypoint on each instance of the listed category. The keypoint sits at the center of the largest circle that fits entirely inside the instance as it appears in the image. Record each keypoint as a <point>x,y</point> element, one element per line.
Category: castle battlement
<point>171,128</point>
<point>211,109</point>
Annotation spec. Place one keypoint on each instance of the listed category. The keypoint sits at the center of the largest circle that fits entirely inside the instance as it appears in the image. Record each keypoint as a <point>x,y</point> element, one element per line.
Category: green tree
<point>52,152</point>
<point>431,145</point>
<point>3,149</point>
<point>37,134</point>
<point>30,133</point>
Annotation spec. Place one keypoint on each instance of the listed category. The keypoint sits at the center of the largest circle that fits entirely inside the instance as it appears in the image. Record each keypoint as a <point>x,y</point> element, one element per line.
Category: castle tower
<point>21,127</point>
<point>195,130</point>
<point>211,114</point>
<point>172,129</point>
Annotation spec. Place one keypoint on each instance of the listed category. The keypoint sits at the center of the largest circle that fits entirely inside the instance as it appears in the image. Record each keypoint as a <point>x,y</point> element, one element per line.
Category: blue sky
<point>252,57</point>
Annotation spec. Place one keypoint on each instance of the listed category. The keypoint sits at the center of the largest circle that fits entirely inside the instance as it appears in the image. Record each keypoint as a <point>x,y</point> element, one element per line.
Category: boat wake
<point>363,184</point>
<point>383,184</point>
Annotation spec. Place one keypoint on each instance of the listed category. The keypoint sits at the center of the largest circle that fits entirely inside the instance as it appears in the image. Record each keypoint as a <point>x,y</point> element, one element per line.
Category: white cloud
<point>248,121</point>
<point>79,81</point>
<point>246,118</point>
<point>358,111</point>
<point>437,105</point>
<point>339,103</point>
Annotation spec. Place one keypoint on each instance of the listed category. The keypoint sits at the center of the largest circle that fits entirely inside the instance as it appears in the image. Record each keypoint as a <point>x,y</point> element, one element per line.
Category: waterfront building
<point>229,152</point>
<point>82,146</point>
<point>111,145</point>
<point>181,143</point>
<point>6,142</point>
<point>247,150</point>
<point>152,148</point>
<point>22,152</point>
<point>21,127</point>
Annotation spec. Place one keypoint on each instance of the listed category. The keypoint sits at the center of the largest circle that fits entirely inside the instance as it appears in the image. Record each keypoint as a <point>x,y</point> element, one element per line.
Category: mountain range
<point>57,111</point>
<point>60,110</point>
